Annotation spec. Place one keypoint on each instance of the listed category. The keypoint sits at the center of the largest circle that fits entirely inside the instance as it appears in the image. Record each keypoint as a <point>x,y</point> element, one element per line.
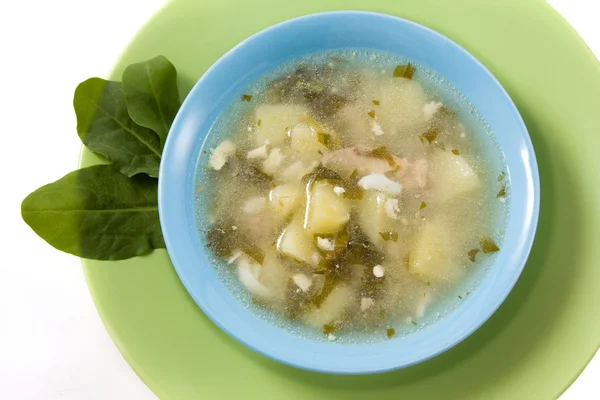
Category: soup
<point>353,192</point>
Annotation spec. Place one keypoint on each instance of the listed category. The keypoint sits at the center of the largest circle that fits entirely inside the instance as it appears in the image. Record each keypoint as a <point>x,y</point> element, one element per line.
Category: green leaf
<point>404,71</point>
<point>488,246</point>
<point>104,126</point>
<point>97,213</point>
<point>151,94</point>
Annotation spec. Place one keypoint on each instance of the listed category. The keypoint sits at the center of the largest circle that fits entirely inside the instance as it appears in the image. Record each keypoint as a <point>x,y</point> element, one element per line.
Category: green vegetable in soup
<point>383,153</point>
<point>371,113</point>
<point>223,240</point>
<point>328,328</point>
<point>246,97</point>
<point>488,245</point>
<point>455,152</point>
<point>376,102</point>
<point>472,254</point>
<point>390,332</point>
<point>98,213</point>
<point>393,236</point>
<point>325,139</point>
<point>423,205</point>
<point>502,191</point>
<point>404,71</point>
<point>430,135</point>
<point>309,86</point>
<point>241,168</point>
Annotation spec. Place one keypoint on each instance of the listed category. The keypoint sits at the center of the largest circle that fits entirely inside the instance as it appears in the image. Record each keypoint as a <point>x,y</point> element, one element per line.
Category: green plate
<point>533,347</point>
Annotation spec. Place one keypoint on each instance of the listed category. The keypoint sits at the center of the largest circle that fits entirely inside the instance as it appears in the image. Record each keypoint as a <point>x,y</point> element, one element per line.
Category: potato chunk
<point>307,144</point>
<point>451,176</point>
<point>275,121</point>
<point>434,256</point>
<point>297,243</point>
<point>285,198</point>
<point>327,212</point>
<point>373,216</point>
<point>332,307</point>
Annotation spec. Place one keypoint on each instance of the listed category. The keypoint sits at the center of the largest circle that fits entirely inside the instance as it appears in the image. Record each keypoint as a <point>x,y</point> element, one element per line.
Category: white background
<point>52,343</point>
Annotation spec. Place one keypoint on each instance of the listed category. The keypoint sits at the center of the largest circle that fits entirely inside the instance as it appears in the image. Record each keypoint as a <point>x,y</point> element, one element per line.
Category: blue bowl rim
<point>533,183</point>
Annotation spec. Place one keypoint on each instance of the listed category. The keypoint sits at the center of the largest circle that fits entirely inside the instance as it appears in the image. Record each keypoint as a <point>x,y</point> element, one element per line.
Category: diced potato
<point>297,243</point>
<point>373,216</point>
<point>451,175</point>
<point>332,307</point>
<point>275,121</point>
<point>306,144</point>
<point>434,256</point>
<point>285,198</point>
<point>327,212</point>
<point>401,106</point>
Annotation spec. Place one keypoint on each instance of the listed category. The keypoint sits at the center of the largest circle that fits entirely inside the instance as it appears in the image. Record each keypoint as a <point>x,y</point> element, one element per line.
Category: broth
<point>352,193</point>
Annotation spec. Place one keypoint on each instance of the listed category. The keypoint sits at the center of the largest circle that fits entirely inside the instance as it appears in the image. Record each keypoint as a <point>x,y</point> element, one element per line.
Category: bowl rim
<point>163,197</point>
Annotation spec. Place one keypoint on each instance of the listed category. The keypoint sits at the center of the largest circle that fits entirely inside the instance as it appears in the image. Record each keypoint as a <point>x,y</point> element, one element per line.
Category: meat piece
<point>414,176</point>
<point>345,161</point>
<point>411,175</point>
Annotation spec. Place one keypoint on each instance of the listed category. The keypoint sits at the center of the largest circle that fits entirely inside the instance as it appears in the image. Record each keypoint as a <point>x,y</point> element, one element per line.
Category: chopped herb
<point>376,102</point>
<point>443,110</point>
<point>359,249</point>
<point>460,297</point>
<point>501,177</point>
<point>328,286</point>
<point>324,139</point>
<point>250,173</point>
<point>354,175</point>
<point>390,332</point>
<point>414,323</point>
<point>404,71</point>
<point>246,97</point>
<point>199,188</point>
<point>255,301</point>
<point>383,153</point>
<point>393,236</point>
<point>222,240</point>
<point>472,254</point>
<point>488,245</point>
<point>259,122</point>
<point>320,152</point>
<point>502,191</point>
<point>430,135</point>
<point>455,152</point>
<point>423,205</point>
<point>428,283</point>
<point>371,113</point>
<point>327,329</point>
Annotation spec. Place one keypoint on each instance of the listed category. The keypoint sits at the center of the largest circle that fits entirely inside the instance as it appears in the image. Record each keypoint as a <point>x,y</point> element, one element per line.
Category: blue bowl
<point>326,31</point>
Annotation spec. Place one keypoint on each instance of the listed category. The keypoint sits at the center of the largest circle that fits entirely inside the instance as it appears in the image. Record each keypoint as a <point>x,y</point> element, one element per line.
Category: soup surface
<point>351,195</point>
